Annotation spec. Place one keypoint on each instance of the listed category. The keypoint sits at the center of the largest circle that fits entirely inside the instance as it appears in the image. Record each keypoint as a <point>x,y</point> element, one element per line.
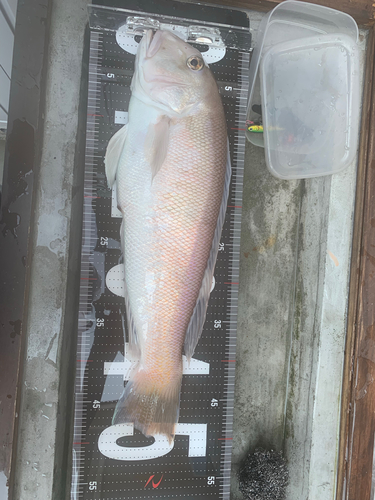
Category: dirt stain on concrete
<point>269,243</point>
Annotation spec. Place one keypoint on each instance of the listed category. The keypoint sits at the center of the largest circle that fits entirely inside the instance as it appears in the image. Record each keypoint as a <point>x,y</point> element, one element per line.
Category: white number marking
<point>108,446</point>
<point>115,212</point>
<point>213,283</point>
<point>115,280</point>
<point>195,367</point>
<point>93,485</point>
<point>121,117</point>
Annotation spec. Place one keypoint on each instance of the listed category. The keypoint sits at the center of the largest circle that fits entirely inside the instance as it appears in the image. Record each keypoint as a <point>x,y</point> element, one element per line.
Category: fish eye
<point>195,62</point>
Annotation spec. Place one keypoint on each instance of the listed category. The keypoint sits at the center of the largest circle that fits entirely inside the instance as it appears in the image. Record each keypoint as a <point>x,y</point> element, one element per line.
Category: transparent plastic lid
<point>310,105</point>
<point>291,20</point>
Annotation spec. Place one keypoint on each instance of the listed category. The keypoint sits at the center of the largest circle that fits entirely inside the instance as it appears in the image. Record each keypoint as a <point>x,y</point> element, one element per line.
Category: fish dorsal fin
<point>156,143</point>
<point>134,347</point>
<point>195,327</point>
<point>113,154</point>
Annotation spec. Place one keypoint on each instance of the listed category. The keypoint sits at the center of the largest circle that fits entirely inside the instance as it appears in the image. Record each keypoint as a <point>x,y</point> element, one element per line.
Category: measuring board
<point>118,462</point>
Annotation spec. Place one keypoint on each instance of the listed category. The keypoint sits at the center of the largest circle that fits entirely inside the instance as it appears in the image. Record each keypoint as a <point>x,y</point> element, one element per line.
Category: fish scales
<point>169,230</point>
<point>170,217</point>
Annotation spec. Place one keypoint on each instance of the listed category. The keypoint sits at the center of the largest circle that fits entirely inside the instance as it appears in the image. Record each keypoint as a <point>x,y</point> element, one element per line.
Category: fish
<point>171,165</point>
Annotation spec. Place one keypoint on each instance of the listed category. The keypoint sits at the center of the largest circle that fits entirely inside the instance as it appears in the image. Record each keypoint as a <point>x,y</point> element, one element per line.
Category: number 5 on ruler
<point>109,448</point>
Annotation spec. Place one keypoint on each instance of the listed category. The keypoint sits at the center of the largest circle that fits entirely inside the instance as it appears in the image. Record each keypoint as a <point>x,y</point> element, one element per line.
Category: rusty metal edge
<point>367,129</point>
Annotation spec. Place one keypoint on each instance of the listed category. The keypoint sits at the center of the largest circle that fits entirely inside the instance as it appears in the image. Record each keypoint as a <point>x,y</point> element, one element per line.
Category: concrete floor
<point>294,272</point>
<point>44,411</point>
<point>295,252</point>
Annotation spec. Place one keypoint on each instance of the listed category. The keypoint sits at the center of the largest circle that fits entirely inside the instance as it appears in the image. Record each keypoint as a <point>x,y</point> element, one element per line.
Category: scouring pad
<point>264,476</point>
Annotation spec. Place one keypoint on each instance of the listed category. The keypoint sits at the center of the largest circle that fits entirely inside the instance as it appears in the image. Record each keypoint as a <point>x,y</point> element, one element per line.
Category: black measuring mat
<point>117,462</point>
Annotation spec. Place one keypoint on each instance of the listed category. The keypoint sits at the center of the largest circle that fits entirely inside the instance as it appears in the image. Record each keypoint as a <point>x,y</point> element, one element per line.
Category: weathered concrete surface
<point>41,433</point>
<point>267,274</point>
<point>295,258</point>
<point>319,331</point>
<point>303,363</point>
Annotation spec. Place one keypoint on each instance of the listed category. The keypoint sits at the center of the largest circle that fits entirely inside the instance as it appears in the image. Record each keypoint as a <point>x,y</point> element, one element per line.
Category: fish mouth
<point>153,42</point>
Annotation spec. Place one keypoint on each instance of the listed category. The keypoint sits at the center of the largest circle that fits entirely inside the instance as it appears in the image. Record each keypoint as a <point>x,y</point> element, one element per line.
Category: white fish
<point>171,164</point>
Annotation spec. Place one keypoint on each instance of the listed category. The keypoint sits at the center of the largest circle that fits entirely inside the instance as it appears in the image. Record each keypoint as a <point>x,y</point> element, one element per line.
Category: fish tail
<point>153,406</point>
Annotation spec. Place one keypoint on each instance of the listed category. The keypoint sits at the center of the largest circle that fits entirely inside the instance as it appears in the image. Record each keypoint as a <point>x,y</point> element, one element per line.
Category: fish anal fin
<point>198,317</point>
<point>113,154</point>
<point>156,143</point>
<point>133,341</point>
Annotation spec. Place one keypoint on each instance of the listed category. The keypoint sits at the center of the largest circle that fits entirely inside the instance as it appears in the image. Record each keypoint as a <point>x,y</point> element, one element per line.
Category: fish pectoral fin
<point>113,154</point>
<point>198,317</point>
<point>156,143</point>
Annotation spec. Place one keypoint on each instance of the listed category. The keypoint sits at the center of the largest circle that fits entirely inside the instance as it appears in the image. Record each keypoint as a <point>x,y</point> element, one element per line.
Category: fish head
<point>171,74</point>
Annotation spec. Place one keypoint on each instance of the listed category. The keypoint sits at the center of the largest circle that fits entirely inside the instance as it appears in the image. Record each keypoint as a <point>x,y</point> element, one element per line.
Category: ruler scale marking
<point>98,315</point>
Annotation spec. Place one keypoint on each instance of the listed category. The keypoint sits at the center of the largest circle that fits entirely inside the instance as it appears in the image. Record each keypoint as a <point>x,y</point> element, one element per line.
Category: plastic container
<point>293,21</point>
<point>310,106</point>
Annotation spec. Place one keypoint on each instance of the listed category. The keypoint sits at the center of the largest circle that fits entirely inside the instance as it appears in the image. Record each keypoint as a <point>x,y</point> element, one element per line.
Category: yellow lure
<point>258,129</point>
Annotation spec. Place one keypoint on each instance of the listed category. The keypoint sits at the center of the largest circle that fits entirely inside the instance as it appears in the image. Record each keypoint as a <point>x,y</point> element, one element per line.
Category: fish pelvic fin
<point>195,327</point>
<point>151,404</point>
<point>113,154</point>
